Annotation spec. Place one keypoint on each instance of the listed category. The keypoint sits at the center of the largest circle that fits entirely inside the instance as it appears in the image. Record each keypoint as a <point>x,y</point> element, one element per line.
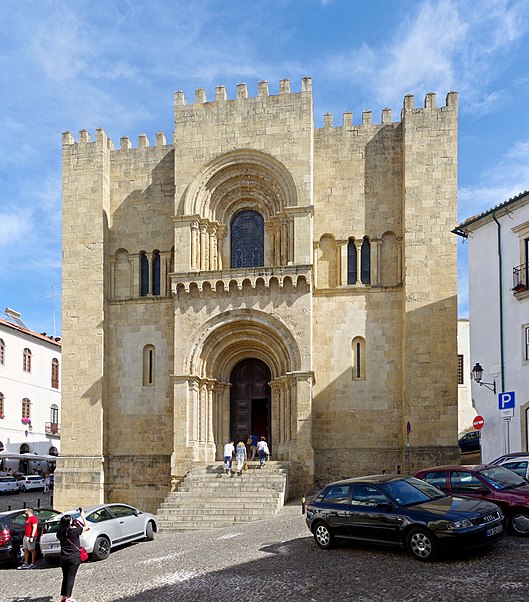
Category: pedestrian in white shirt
<point>229,450</point>
<point>263,452</point>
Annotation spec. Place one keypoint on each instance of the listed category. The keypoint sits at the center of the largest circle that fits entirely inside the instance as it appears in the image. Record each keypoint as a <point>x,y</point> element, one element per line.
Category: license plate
<point>494,531</point>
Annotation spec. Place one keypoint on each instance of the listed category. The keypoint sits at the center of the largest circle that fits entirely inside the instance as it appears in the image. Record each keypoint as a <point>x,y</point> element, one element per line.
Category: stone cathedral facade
<point>258,274</point>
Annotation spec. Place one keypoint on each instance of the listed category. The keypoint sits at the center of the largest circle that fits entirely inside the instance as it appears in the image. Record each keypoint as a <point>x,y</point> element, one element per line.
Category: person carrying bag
<point>72,553</point>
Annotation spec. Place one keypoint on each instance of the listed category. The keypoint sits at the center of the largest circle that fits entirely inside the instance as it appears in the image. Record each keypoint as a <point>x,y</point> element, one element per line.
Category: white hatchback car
<point>8,485</point>
<point>30,482</point>
<point>111,525</point>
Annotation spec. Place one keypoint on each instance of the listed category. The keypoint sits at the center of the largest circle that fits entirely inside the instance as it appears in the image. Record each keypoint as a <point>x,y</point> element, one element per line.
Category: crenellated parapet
<point>241,93</point>
<point>386,117</point>
<point>125,142</point>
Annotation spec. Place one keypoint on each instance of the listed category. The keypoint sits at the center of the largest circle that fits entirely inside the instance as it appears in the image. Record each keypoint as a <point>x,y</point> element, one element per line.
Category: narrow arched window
<point>1,446</point>
<point>149,364</point>
<point>156,273</point>
<point>24,449</point>
<point>55,373</point>
<point>54,414</point>
<point>365,259</point>
<point>359,358</point>
<point>53,451</point>
<point>1,405</point>
<point>351,262</point>
<point>2,352</point>
<point>144,274</point>
<point>247,240</point>
<point>26,360</point>
<point>26,409</point>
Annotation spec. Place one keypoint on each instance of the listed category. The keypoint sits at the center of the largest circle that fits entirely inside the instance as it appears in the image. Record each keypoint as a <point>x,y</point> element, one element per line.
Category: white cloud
<point>14,228</point>
<point>506,180</point>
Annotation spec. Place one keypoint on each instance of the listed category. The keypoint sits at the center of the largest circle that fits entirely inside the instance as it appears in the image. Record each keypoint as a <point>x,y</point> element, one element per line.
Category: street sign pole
<point>506,404</point>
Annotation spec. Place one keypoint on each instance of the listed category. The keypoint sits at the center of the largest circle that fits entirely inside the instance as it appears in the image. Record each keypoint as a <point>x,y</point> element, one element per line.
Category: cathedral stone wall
<point>341,280</point>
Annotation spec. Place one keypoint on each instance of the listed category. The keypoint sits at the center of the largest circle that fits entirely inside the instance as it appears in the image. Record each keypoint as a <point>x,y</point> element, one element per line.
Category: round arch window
<point>24,448</point>
<point>53,451</point>
<point>247,240</point>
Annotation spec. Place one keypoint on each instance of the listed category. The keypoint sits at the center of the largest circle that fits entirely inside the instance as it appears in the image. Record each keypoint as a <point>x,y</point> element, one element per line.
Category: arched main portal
<point>250,400</point>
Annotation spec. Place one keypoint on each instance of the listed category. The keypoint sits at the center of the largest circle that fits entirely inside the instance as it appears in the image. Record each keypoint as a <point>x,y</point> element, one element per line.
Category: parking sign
<point>506,400</point>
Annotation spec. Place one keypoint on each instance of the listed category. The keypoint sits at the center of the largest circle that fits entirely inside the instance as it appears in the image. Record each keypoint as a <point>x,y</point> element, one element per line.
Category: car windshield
<point>501,478</point>
<point>409,491</point>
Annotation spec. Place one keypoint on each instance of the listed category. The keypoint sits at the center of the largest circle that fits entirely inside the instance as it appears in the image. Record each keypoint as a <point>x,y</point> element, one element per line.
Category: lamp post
<point>477,373</point>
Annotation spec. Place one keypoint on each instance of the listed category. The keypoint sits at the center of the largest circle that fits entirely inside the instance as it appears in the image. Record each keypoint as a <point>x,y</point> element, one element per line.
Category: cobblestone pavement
<point>273,560</point>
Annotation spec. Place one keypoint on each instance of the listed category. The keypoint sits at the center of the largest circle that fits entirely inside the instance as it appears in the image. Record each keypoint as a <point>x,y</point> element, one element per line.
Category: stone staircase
<point>207,498</point>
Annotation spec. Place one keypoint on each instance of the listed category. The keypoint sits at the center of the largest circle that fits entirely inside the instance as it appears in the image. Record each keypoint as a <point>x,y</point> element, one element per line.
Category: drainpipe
<point>501,302</point>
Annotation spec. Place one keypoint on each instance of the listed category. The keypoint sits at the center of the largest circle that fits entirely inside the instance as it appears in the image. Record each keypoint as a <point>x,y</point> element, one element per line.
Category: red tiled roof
<point>29,332</point>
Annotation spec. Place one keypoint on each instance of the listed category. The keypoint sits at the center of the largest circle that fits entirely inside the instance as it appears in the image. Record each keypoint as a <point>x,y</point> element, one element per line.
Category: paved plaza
<point>277,559</point>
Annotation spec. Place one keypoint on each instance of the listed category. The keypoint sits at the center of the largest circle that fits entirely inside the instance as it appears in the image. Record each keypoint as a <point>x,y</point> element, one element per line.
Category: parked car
<point>28,482</point>
<point>111,525</point>
<point>470,442</point>
<point>8,485</point>
<point>517,462</point>
<point>486,482</point>
<point>402,511</point>
<point>12,527</point>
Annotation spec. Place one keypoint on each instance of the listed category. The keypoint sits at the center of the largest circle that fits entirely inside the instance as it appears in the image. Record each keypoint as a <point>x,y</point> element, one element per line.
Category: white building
<point>30,396</point>
<point>465,410</point>
<point>498,259</point>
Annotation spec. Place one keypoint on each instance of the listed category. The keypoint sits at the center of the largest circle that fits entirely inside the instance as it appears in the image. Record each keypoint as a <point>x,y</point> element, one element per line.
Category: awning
<point>31,457</point>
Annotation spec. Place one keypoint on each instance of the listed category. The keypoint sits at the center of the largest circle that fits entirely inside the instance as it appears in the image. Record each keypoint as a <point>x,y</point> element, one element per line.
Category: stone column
<point>221,233</point>
<point>399,259</point>
<point>374,261</point>
<point>276,419</point>
<point>212,236</point>
<point>210,445</point>
<point>358,245</point>
<point>134,258</point>
<point>203,239</point>
<point>194,245</point>
<point>343,261</point>
<point>284,241</point>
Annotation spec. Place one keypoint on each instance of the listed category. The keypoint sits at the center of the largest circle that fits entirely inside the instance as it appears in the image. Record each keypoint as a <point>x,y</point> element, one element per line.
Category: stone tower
<point>258,274</point>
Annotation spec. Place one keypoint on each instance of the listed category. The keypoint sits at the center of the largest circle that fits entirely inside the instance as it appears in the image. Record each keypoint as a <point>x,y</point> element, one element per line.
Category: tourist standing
<point>30,539</point>
<point>229,450</point>
<point>241,455</point>
<point>68,534</point>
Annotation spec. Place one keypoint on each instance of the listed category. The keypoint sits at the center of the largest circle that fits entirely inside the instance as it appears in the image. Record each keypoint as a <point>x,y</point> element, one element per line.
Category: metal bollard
<point>38,502</point>
<point>398,468</point>
<point>24,505</point>
<point>302,503</point>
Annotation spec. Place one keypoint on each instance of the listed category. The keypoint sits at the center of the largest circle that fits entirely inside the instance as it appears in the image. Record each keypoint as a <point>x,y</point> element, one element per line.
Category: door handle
<point>121,522</point>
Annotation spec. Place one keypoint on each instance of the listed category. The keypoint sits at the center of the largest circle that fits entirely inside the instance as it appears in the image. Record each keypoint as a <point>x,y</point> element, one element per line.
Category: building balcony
<point>223,280</point>
<point>519,280</point>
<point>53,429</point>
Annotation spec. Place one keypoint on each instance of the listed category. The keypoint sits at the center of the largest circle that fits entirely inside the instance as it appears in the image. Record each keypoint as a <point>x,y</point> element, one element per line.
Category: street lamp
<point>477,373</point>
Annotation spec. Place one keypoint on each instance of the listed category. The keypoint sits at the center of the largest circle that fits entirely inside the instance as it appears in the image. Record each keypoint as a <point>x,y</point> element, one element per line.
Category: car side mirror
<point>384,506</point>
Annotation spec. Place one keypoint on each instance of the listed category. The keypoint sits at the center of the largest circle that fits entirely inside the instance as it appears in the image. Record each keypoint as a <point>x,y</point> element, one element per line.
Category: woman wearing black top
<point>68,535</point>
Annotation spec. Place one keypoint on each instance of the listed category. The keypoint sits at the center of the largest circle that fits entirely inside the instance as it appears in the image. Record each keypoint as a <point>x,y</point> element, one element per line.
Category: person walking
<point>229,450</point>
<point>29,541</point>
<point>68,535</point>
<point>242,456</point>
<point>46,482</point>
<point>253,446</point>
<point>263,452</point>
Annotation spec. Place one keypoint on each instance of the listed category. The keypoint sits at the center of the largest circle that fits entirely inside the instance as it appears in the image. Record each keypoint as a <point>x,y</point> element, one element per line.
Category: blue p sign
<point>506,400</point>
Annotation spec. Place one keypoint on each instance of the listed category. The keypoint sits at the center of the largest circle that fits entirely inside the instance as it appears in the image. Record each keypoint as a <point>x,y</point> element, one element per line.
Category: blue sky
<point>116,64</point>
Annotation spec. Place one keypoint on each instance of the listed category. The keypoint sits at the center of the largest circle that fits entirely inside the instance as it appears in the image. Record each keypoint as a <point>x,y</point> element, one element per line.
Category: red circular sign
<point>478,422</point>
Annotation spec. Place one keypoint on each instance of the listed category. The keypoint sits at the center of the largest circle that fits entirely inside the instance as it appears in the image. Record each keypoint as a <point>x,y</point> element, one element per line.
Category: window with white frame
<point>460,369</point>
<point>526,343</point>
<point>2,352</point>
<point>26,365</point>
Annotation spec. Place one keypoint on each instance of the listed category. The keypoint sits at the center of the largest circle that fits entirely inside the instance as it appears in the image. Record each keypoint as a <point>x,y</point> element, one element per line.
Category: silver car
<point>111,525</point>
<point>8,485</point>
<point>517,462</point>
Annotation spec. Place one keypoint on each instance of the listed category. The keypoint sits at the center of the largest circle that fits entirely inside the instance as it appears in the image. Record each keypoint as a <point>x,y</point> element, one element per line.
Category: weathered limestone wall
<point>430,275</point>
<point>86,200</point>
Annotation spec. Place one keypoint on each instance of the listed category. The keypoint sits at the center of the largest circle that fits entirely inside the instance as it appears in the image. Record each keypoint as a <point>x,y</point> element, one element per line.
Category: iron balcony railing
<point>53,429</point>
<point>519,279</point>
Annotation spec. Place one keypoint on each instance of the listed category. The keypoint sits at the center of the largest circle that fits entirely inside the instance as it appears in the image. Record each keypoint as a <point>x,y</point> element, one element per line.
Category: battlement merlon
<point>241,93</point>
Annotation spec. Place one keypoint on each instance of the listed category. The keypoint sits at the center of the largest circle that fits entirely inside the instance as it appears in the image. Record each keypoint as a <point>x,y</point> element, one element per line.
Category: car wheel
<point>22,488</point>
<point>101,549</point>
<point>422,544</point>
<point>149,531</point>
<point>519,522</point>
<point>323,536</point>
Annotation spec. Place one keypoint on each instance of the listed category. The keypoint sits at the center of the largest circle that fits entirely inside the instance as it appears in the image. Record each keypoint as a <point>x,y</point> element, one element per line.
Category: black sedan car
<point>402,511</point>
<point>12,527</point>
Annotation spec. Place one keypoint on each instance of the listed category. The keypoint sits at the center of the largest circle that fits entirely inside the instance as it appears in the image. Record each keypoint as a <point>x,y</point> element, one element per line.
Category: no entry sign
<point>478,422</point>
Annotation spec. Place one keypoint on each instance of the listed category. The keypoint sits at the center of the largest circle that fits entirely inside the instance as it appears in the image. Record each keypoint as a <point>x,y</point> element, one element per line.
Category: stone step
<point>229,493</point>
<point>221,509</point>
<point>173,514</point>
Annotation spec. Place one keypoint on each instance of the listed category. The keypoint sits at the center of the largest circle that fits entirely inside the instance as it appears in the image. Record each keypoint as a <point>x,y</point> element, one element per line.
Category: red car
<point>486,482</point>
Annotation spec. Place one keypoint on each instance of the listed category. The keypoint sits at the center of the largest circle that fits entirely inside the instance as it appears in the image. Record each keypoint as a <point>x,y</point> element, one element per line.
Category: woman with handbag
<point>68,535</point>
